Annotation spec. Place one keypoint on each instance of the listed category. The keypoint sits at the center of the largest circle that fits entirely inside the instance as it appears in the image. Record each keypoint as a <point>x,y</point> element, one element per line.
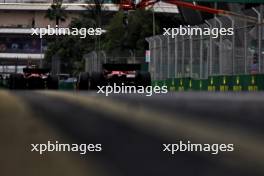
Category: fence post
<point>154,59</point>
<point>259,37</point>
<point>176,56</point>
<point>191,56</point>
<point>168,55</point>
<point>245,45</point>
<point>233,44</point>
<point>209,64</point>
<point>183,54</point>
<point>161,58</point>
<point>201,57</point>
<point>151,48</point>
<point>220,47</point>
<point>95,61</point>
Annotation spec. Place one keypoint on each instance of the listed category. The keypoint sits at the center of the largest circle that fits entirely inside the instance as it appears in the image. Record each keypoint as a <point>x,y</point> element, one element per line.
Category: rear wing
<point>121,67</point>
<point>36,70</point>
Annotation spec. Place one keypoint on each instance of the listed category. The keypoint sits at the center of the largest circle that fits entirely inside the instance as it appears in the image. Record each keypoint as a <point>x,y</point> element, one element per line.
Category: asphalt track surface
<point>132,130</point>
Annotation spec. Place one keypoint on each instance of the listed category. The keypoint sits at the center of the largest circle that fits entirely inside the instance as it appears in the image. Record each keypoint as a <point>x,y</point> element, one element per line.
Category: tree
<point>129,34</point>
<point>71,48</point>
<point>56,12</point>
<point>120,39</point>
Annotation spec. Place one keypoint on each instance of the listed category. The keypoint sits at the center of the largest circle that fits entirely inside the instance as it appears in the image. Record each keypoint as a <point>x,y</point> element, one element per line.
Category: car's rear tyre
<point>53,82</point>
<point>143,79</point>
<point>97,79</point>
<point>1,81</point>
<point>16,81</point>
<point>83,81</point>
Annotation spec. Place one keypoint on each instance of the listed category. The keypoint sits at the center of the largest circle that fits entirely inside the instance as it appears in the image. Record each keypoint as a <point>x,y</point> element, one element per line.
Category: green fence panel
<point>226,83</point>
<point>185,84</point>
<point>253,82</point>
<point>174,84</point>
<point>248,81</point>
<point>159,83</point>
<point>178,84</point>
<point>195,85</point>
<point>199,84</point>
<point>220,83</point>
<point>153,83</point>
<point>260,82</point>
<point>203,85</point>
<point>163,83</point>
<point>214,83</point>
<point>66,86</point>
<point>238,83</point>
<point>190,84</point>
<point>171,84</point>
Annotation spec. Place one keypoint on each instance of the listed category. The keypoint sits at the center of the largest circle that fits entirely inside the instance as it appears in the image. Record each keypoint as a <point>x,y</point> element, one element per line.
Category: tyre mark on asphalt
<point>239,110</point>
<point>126,150</point>
<point>248,153</point>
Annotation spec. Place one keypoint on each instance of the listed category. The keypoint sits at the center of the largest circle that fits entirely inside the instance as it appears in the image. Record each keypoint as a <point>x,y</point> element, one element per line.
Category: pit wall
<point>215,83</point>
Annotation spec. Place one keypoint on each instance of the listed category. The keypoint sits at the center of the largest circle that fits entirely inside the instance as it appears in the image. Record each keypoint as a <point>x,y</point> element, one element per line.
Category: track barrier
<point>215,83</point>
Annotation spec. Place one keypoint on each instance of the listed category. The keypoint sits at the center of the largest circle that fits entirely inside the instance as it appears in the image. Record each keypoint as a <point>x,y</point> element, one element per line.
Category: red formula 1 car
<point>33,78</point>
<point>126,74</point>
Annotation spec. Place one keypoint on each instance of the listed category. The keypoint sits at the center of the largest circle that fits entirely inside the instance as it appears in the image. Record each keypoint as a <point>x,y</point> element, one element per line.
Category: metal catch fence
<point>201,56</point>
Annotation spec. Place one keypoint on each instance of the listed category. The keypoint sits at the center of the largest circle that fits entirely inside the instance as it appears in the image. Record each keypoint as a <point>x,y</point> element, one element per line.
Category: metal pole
<point>245,45</point>
<point>169,58</point>
<point>176,56</point>
<point>104,55</point>
<point>191,56</point>
<point>161,58</point>
<point>41,53</point>
<point>220,47</point>
<point>183,53</point>
<point>16,65</point>
<point>259,37</point>
<point>153,22</point>
<point>209,64</point>
<point>151,48</point>
<point>154,59</point>
<point>233,45</point>
<point>201,57</point>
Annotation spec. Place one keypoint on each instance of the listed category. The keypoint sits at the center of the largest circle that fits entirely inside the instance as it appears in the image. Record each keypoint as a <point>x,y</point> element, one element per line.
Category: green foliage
<point>69,49</point>
<point>56,12</point>
<point>120,37</point>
